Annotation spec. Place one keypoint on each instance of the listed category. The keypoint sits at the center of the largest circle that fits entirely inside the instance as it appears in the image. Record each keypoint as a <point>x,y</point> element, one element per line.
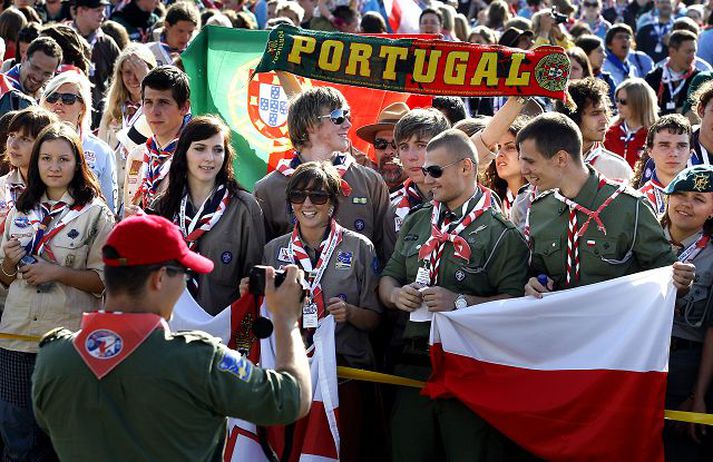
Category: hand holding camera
<point>284,291</point>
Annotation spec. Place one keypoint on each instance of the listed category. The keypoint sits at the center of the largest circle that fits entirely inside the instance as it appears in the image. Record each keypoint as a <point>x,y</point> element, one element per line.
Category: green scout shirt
<point>497,265</point>
<point>167,401</point>
<point>634,240</point>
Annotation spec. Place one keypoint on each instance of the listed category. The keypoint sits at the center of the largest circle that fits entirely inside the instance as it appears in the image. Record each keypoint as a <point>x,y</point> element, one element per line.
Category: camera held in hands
<point>258,276</point>
<point>558,17</point>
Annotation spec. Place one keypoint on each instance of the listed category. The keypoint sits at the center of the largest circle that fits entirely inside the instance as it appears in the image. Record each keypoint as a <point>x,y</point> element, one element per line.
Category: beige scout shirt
<point>364,211</point>
<point>235,244</point>
<point>135,171</point>
<point>351,275</point>
<point>31,311</point>
<point>611,165</point>
<point>13,177</point>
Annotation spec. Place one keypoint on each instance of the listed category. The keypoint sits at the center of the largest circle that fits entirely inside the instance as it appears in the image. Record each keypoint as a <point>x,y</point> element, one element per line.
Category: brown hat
<point>512,35</point>
<point>387,120</point>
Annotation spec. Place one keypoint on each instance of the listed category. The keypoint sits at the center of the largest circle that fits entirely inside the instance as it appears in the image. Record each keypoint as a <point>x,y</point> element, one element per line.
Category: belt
<point>683,344</point>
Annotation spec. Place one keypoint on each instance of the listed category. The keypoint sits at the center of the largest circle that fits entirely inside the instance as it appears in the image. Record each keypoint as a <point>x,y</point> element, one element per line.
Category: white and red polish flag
<point>579,375</point>
<point>403,15</point>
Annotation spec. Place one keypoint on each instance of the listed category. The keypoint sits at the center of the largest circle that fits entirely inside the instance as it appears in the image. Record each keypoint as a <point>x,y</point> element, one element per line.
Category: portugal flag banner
<point>577,375</point>
<point>433,67</point>
<point>219,63</point>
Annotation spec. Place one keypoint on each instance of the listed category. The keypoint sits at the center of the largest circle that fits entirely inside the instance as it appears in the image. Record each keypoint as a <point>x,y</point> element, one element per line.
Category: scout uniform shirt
<point>34,310</point>
<point>404,200</point>
<point>694,313</point>
<point>633,242</point>
<point>607,163</point>
<point>351,276</point>
<point>497,264</point>
<point>362,211</point>
<point>235,244</point>
<point>167,400</point>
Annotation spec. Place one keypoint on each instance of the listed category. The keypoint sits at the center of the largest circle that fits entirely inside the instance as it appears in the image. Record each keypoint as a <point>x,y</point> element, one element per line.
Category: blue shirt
<point>637,64</point>
<point>100,159</point>
<point>705,46</point>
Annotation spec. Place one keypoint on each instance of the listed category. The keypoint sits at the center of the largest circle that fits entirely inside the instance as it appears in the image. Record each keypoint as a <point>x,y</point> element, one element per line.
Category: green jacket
<point>634,240</point>
<point>167,401</point>
<point>497,265</point>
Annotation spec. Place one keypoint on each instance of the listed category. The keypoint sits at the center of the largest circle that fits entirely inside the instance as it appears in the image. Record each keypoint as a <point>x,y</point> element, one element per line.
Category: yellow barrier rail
<point>378,377</point>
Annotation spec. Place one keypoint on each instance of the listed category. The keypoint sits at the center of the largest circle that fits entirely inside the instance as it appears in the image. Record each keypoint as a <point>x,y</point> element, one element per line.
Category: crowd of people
<point>470,200</point>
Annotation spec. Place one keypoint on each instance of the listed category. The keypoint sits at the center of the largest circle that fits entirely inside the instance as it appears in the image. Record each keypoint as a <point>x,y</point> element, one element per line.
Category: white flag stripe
<point>189,315</point>
<point>598,326</point>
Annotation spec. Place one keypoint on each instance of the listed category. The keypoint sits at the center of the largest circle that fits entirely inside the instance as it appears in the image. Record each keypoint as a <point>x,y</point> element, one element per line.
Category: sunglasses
<point>381,144</point>
<point>436,171</point>
<point>67,98</point>
<point>590,5</point>
<point>315,197</point>
<point>621,101</point>
<point>173,271</point>
<point>337,116</point>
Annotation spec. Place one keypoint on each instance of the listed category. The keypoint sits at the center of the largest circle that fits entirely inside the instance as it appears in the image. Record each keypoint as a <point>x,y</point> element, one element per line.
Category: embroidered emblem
<point>701,182</point>
<point>283,255</point>
<point>226,257</point>
<point>236,364</point>
<point>103,344</point>
<point>91,158</point>
<point>359,224</point>
<point>22,222</point>
<point>73,233</point>
<point>69,261</point>
<point>343,297</point>
<point>459,275</point>
<point>344,260</point>
<point>359,200</point>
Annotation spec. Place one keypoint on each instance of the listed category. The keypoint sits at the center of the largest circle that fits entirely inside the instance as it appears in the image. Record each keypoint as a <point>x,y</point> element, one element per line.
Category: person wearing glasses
<point>68,95</point>
<point>126,388</point>
<point>688,225</point>
<point>341,268</point>
<point>51,262</point>
<point>216,216</point>
<point>637,108</point>
<point>319,122</point>
<point>668,151</point>
<point>381,136</point>
<point>458,252</point>
<point>43,57</point>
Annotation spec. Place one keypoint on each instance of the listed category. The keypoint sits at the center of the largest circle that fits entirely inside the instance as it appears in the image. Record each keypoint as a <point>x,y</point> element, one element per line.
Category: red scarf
<point>40,218</point>
<point>193,228</point>
<point>407,197</point>
<point>157,162</point>
<point>653,190</point>
<point>341,162</point>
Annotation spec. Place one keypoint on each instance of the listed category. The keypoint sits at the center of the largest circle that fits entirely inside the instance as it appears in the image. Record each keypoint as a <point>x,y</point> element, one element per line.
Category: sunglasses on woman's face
<point>621,101</point>
<point>436,171</point>
<point>315,197</point>
<point>338,116</point>
<point>67,98</point>
<point>381,144</point>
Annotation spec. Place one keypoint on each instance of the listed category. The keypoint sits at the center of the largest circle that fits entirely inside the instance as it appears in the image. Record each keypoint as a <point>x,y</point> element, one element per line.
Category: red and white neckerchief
<point>38,218</point>
<point>341,162</point>
<point>574,231</point>
<point>692,251</point>
<point>668,77</point>
<point>204,219</point>
<point>407,195</point>
<point>299,255</point>
<point>653,190</point>
<point>508,201</point>
<point>157,162</point>
<point>532,192</point>
<point>593,153</point>
<point>434,246</point>
<point>627,136</point>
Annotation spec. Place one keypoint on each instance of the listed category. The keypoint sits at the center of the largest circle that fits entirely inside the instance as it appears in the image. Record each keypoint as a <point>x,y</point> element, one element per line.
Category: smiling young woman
<point>217,217</point>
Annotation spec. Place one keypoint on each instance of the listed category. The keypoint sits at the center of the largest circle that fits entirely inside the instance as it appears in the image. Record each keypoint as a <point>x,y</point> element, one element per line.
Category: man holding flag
<point>457,253</point>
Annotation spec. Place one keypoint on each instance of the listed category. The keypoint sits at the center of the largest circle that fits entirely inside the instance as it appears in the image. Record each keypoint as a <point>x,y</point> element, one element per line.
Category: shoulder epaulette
<point>195,336</point>
<point>55,334</point>
<point>543,194</point>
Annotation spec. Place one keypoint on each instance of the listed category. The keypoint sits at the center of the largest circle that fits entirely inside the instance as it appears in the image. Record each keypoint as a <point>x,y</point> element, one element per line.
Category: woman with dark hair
<point>217,217</point>
<point>340,269</point>
<point>688,224</point>
<point>51,260</point>
<point>581,67</point>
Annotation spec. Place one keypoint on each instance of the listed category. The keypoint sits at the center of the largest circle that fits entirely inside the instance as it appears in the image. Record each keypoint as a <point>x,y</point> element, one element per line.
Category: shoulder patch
<point>235,363</point>
<point>55,334</point>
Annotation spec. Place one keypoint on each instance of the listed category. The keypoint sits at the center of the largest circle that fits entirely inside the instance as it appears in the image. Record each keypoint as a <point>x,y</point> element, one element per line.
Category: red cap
<point>149,239</point>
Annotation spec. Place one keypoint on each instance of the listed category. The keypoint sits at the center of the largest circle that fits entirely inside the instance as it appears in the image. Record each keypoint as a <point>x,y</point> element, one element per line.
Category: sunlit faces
<point>70,113</point>
<point>596,57</point>
<point>90,18</point>
<point>19,149</point>
<point>541,172</point>
<point>430,24</point>
<point>689,210</point>
<point>131,81</point>
<point>310,214</point>
<point>595,121</point>
<point>179,35</point>
<point>683,57</point>
<point>577,71</point>
<point>57,164</point>
<point>412,154</point>
<point>387,160</point>
<point>622,104</point>
<point>451,185</point>
<point>36,70</point>
<point>334,137</point>
<point>205,158</point>
<point>506,163</point>
<point>670,152</point>
<point>620,44</point>
<point>163,113</point>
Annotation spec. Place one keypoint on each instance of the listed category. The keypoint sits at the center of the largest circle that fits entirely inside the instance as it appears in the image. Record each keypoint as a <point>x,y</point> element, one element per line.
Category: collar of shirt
<point>587,194</point>
<point>463,210</point>
<point>66,198</point>
<point>679,246</point>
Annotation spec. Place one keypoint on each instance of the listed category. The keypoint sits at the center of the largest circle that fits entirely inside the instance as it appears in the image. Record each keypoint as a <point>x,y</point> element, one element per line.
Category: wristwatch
<point>461,302</point>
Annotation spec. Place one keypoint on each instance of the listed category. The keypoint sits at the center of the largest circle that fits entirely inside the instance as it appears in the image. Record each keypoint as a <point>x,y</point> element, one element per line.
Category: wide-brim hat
<point>388,117</point>
<point>512,35</point>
